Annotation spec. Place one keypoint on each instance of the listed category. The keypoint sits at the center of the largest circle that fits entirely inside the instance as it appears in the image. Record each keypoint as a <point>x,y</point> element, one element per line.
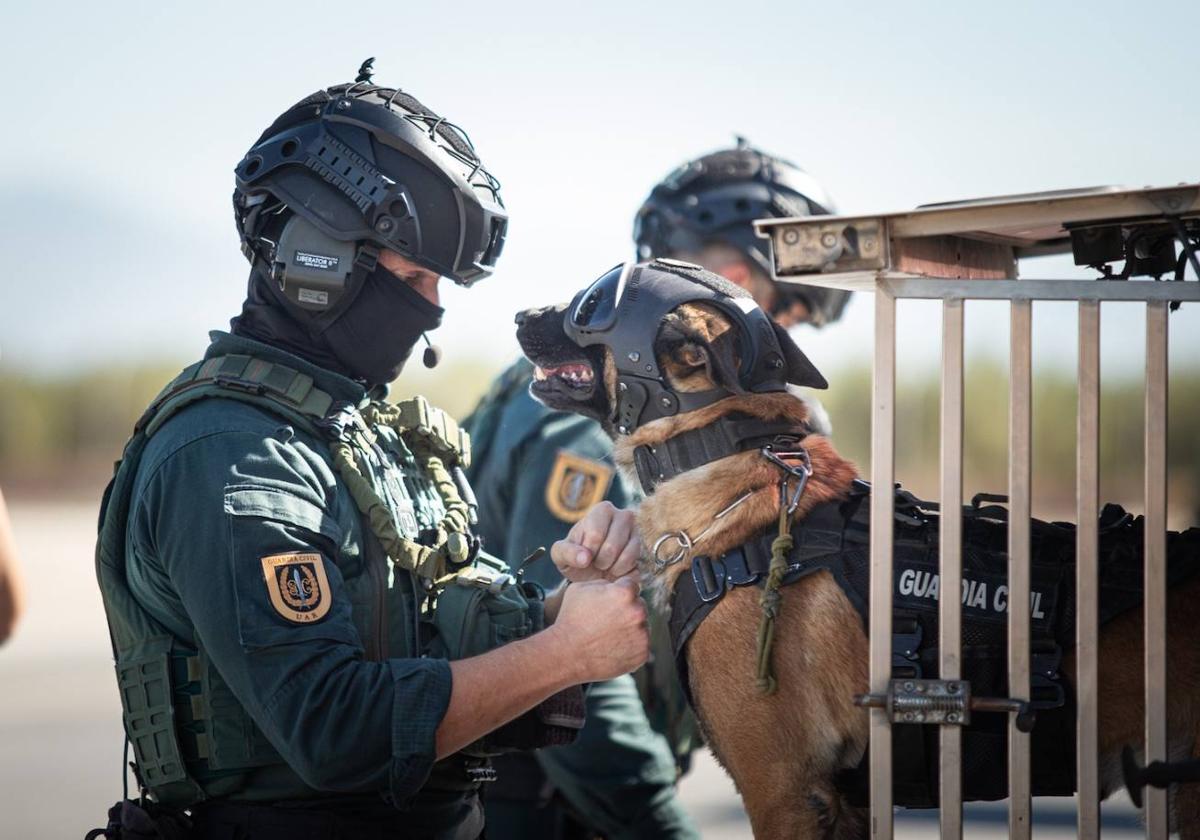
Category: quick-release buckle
<point>235,383</point>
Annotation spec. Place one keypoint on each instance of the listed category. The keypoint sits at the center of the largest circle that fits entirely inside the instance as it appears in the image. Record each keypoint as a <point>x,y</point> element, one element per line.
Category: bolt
<point>634,356</point>
<point>622,430</point>
<point>791,236</point>
<point>952,688</point>
<point>828,239</point>
<point>385,225</point>
<point>909,686</point>
<point>666,402</point>
<point>952,717</point>
<point>343,104</point>
<point>649,368</point>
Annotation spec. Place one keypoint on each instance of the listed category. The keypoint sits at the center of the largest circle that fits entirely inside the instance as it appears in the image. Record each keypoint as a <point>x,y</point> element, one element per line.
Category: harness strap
<point>695,595</point>
<point>691,449</point>
<point>268,384</point>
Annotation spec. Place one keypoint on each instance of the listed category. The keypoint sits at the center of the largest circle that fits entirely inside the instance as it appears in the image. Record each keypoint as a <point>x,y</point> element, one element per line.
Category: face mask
<point>376,334</point>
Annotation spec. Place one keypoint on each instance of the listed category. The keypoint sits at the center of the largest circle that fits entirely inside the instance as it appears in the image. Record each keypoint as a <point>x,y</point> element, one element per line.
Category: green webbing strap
<point>272,386</point>
<point>427,426</point>
<point>781,547</point>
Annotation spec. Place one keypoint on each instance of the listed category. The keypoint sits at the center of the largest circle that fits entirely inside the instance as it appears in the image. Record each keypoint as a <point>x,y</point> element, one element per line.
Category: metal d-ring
<point>684,543</point>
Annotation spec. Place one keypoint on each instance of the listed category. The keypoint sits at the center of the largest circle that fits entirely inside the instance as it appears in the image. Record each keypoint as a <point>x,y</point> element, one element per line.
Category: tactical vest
<point>835,537</point>
<point>401,464</point>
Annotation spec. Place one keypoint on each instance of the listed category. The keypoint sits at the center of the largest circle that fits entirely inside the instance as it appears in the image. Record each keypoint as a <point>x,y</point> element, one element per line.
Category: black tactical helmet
<point>714,199</point>
<point>356,168</point>
<point>623,310</point>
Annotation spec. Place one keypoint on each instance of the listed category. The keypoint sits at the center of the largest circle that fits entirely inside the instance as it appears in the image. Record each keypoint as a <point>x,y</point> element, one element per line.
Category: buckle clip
<point>234,383</point>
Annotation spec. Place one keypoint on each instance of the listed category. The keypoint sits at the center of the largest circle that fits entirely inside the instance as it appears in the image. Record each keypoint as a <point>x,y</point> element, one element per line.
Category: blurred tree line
<point>61,435</point>
<point>985,435</point>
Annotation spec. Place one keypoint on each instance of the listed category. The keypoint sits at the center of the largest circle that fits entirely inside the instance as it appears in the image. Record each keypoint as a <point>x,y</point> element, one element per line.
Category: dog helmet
<point>715,198</point>
<point>356,168</point>
<point>623,310</point>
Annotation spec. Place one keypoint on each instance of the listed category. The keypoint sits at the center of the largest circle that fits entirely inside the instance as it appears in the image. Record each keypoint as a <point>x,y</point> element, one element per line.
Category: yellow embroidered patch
<point>576,483</point>
<point>297,585</point>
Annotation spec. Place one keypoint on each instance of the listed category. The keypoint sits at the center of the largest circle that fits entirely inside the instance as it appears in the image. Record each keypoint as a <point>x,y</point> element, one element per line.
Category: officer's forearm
<point>491,689</point>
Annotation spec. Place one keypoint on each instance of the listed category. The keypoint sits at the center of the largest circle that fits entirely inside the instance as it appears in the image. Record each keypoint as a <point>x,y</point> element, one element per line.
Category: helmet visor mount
<point>595,309</point>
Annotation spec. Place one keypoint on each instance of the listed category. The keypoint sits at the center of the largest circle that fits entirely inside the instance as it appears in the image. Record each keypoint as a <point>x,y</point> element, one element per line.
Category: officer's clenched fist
<point>603,545</point>
<point>604,625</point>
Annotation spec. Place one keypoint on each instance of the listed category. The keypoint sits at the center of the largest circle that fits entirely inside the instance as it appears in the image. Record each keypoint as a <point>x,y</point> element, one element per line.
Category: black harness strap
<point>688,450</point>
<point>818,538</point>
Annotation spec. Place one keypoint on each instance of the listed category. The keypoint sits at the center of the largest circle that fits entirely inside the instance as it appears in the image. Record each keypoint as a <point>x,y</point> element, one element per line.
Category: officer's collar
<point>339,387</point>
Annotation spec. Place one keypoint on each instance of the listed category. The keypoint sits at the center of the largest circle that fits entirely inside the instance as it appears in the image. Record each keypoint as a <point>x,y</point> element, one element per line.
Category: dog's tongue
<point>573,371</point>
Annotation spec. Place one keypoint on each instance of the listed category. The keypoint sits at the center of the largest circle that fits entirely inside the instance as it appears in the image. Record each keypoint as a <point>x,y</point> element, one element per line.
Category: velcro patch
<point>576,483</point>
<point>297,586</point>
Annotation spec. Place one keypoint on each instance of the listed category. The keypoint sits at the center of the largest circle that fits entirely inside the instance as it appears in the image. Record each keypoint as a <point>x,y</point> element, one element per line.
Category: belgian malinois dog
<point>785,750</point>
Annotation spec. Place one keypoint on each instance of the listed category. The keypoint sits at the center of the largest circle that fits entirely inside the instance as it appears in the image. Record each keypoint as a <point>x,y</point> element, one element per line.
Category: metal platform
<point>978,239</point>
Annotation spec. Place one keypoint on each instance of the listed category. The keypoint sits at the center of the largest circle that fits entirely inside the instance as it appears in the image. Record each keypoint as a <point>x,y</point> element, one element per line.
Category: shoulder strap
<point>271,386</point>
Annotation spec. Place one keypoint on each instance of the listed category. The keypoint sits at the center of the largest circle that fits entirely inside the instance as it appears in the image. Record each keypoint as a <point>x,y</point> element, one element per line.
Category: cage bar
<point>1087,582</point>
<point>1020,411</point>
<point>1156,560</point>
<point>950,540</point>
<point>883,446</point>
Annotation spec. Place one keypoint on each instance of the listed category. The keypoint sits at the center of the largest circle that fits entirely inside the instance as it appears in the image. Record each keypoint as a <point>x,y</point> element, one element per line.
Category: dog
<point>786,751</point>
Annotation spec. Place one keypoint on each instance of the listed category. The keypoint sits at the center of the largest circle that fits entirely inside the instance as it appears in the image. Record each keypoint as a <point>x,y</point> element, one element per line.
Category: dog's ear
<point>694,360</point>
<point>800,371</point>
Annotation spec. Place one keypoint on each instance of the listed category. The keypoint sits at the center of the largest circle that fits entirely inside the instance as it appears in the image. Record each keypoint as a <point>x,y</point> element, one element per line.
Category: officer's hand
<point>604,627</point>
<point>604,545</point>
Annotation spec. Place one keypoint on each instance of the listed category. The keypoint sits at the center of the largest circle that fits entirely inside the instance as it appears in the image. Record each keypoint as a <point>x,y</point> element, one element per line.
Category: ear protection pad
<point>313,269</point>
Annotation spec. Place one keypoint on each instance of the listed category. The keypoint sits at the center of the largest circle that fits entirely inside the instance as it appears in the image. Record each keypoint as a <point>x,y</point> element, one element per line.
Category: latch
<point>942,702</point>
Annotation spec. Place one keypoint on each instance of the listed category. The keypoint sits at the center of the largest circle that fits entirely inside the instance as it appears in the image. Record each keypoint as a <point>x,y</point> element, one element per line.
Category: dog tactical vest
<point>835,538</point>
<point>191,737</point>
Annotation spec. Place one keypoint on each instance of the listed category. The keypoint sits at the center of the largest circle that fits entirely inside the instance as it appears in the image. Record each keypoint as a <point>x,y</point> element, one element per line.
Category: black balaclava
<point>370,339</point>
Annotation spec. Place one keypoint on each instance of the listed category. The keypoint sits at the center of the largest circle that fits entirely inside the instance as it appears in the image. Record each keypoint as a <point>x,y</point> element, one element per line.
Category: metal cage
<point>969,250</point>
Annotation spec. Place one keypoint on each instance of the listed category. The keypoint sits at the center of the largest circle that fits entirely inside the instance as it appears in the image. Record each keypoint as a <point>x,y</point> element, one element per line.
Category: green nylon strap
<point>770,602</point>
<point>272,386</point>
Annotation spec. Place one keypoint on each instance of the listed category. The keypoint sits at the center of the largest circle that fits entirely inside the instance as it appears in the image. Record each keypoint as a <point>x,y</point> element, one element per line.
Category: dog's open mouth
<point>575,379</point>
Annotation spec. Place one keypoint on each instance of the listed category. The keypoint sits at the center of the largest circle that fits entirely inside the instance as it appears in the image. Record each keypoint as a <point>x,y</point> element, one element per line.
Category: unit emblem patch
<point>576,483</point>
<point>297,585</point>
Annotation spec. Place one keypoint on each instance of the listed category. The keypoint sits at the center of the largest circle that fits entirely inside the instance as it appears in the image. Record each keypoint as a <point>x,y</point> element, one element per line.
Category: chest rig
<point>835,538</point>
<point>433,592</point>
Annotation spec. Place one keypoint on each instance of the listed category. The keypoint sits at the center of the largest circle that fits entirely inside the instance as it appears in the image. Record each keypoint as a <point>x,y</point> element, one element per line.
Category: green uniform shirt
<point>536,472</point>
<point>221,489</point>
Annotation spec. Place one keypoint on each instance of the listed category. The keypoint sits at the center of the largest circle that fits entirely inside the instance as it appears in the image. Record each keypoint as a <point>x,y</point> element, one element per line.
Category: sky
<point>124,121</point>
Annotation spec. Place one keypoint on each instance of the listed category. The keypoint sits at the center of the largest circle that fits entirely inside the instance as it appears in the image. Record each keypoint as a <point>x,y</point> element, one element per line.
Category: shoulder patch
<point>576,483</point>
<point>297,586</point>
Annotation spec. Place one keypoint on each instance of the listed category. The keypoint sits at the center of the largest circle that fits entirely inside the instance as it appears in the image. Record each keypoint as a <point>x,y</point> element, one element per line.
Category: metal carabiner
<point>801,473</point>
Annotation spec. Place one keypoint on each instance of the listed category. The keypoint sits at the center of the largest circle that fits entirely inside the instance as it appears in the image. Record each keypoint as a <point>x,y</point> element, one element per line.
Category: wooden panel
<point>953,257</point>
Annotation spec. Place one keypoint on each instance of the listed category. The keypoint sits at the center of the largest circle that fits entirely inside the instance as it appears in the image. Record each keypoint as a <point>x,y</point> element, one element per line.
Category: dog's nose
<point>519,320</point>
